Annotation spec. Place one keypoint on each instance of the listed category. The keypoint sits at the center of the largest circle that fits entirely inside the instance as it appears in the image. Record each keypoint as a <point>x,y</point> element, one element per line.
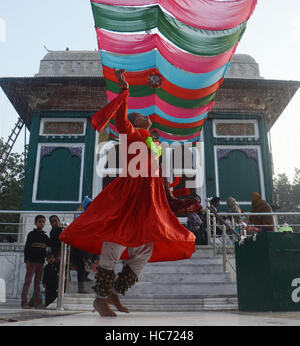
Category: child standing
<point>54,234</point>
<point>34,257</point>
<point>50,279</point>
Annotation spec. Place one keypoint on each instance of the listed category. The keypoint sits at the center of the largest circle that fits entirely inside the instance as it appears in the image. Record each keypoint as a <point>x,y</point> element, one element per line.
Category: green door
<point>59,174</point>
<point>238,172</point>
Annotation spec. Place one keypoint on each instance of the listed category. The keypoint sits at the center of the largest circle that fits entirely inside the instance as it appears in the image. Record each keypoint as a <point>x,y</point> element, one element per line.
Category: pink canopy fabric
<point>188,42</point>
<point>202,14</point>
<point>141,43</point>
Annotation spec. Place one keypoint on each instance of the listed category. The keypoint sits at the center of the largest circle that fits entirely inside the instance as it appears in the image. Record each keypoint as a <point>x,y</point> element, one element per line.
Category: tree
<point>296,184</point>
<point>287,196</point>
<point>12,175</point>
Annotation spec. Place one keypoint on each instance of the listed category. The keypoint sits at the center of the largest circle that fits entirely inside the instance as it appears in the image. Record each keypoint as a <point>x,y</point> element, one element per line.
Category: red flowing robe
<point>130,211</point>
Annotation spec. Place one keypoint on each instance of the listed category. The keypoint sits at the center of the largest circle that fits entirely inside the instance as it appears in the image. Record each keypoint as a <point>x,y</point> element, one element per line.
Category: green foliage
<point>287,196</point>
<point>11,190</point>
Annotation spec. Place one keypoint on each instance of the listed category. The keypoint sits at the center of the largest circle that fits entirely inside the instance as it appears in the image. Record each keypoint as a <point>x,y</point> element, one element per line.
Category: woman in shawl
<point>233,207</point>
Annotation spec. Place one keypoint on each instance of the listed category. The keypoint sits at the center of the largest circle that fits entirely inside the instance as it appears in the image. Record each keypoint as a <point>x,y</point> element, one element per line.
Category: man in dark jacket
<point>76,256</point>
<point>34,257</point>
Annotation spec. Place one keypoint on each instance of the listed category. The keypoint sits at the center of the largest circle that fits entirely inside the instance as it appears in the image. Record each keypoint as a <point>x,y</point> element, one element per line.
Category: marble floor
<point>18,317</point>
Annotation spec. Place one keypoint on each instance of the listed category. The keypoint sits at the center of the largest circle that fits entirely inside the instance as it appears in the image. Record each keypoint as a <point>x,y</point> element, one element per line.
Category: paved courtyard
<point>18,317</point>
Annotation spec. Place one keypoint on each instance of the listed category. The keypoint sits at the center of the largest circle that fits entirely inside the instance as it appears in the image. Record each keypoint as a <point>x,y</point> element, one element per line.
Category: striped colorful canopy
<point>188,42</point>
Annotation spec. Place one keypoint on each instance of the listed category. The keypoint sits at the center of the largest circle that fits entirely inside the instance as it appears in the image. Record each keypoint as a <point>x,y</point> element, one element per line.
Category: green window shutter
<point>59,174</point>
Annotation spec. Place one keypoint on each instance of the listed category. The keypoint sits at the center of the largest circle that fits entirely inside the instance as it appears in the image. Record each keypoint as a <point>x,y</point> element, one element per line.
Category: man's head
<point>139,120</point>
<point>40,222</point>
<point>216,202</point>
<point>54,221</point>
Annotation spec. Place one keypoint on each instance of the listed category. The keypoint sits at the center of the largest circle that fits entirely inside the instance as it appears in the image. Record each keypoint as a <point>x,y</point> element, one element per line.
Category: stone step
<point>184,277</point>
<point>195,284</point>
<point>193,269</point>
<point>203,251</point>
<point>80,302</point>
<point>87,298</point>
<point>167,308</point>
<point>172,278</point>
<point>178,297</point>
<point>166,289</point>
<point>160,289</point>
<point>192,260</point>
<point>153,279</point>
<point>201,264</point>
<point>138,304</point>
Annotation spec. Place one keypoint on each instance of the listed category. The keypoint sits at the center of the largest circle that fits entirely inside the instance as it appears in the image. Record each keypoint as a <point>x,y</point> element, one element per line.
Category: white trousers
<point>138,256</point>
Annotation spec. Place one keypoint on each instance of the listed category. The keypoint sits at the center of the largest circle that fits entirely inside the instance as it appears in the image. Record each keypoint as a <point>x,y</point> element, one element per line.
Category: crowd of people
<point>197,221</point>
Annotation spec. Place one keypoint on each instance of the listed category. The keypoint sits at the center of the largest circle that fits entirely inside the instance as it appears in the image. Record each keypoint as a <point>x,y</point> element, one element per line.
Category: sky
<point>272,38</point>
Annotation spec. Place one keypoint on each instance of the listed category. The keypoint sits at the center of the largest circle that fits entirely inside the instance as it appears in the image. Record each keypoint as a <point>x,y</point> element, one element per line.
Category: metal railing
<point>231,230</point>
<point>224,227</point>
<point>19,227</point>
<point>212,225</point>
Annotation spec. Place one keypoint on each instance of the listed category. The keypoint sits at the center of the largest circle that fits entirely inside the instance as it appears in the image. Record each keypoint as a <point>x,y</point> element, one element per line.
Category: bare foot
<point>114,299</point>
<point>102,307</point>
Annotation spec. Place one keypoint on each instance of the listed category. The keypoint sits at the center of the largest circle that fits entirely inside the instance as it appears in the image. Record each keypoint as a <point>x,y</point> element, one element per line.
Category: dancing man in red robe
<point>130,219</point>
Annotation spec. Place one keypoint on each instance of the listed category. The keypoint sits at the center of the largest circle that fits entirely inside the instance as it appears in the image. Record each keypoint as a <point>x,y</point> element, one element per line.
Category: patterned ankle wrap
<point>104,282</point>
<point>126,279</point>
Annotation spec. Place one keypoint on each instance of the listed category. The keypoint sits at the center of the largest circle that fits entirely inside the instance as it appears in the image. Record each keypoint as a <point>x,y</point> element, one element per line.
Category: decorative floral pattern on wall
<point>251,153</point>
<point>48,150</point>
